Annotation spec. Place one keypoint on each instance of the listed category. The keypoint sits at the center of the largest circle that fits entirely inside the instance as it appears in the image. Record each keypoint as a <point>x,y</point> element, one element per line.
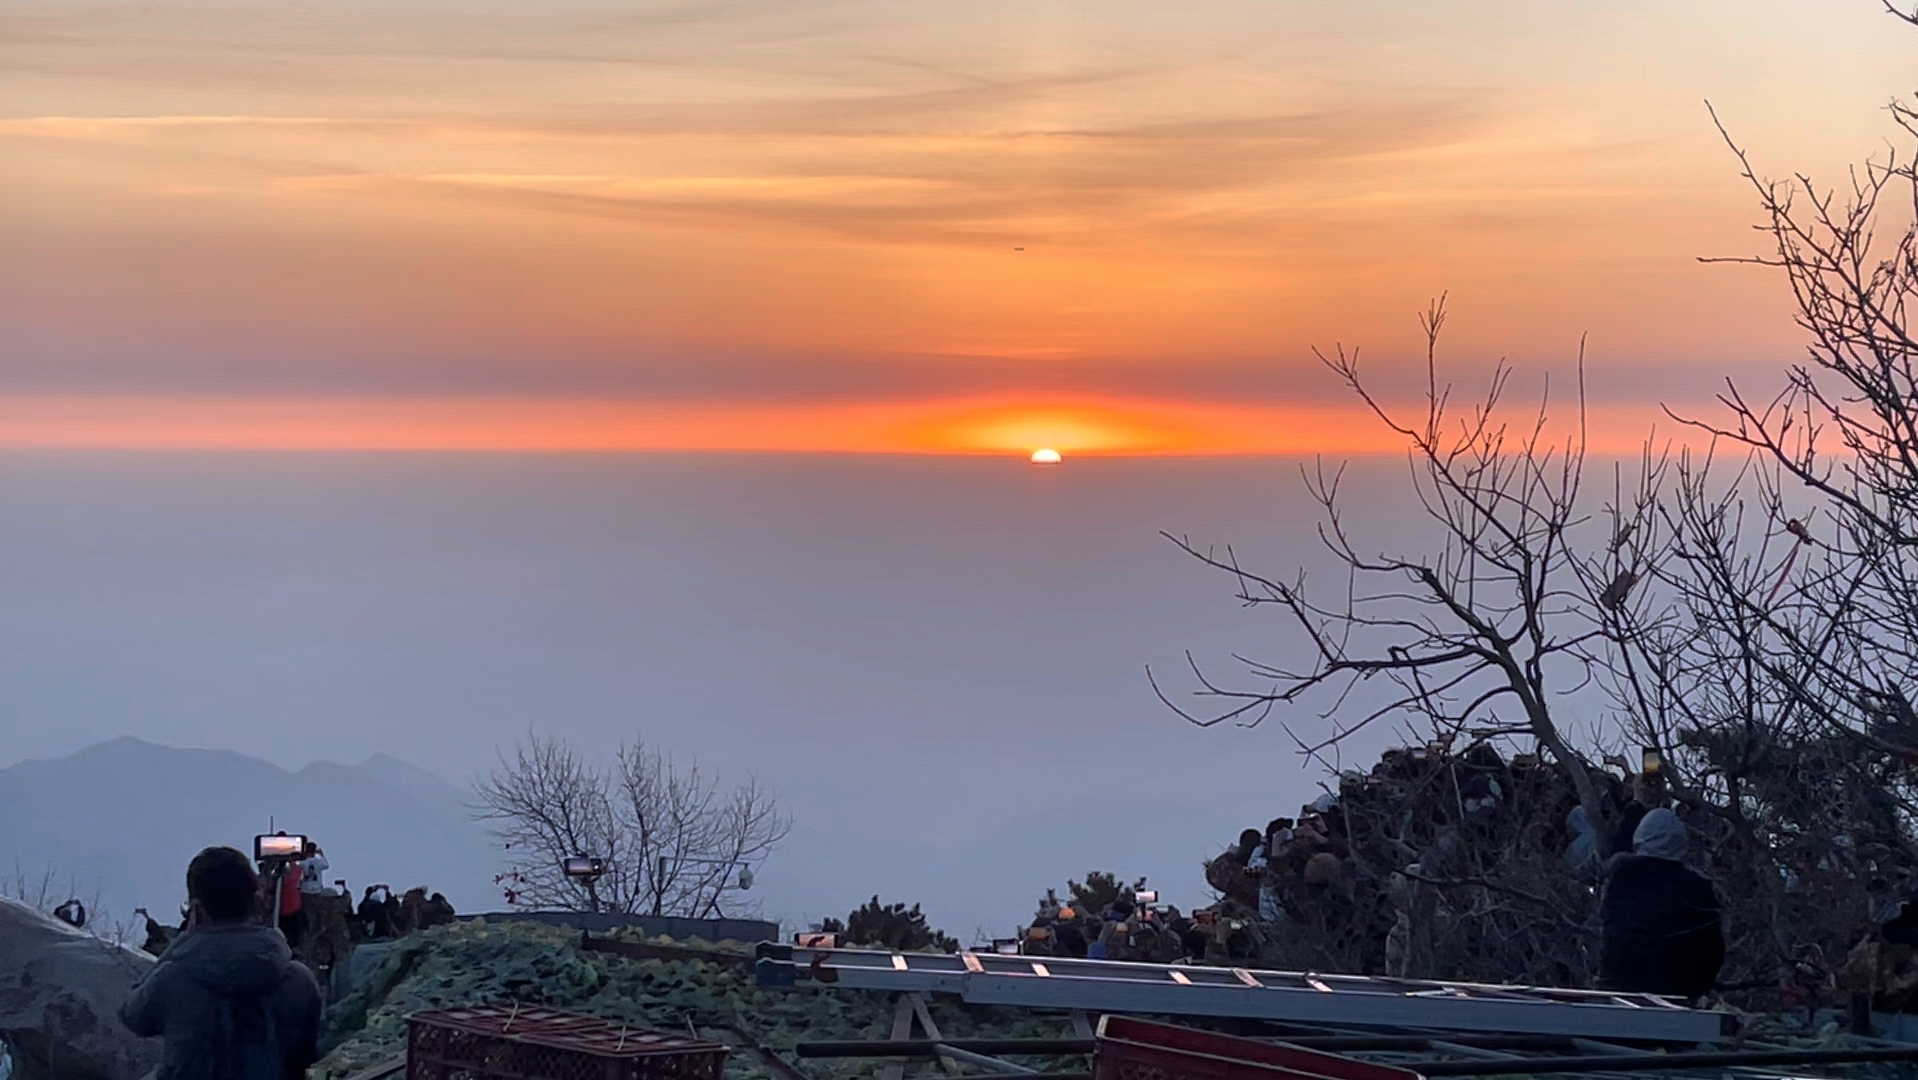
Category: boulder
<point>60,995</point>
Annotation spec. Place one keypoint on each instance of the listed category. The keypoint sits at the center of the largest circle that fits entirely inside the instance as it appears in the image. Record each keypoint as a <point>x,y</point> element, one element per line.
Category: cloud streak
<point>852,206</point>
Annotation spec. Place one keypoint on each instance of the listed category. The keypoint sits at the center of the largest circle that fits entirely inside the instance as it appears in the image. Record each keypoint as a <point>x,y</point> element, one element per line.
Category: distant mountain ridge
<point>127,815</point>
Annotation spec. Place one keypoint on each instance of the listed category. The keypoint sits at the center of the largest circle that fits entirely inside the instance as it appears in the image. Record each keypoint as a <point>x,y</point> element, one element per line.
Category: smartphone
<point>278,847</point>
<point>1651,761</point>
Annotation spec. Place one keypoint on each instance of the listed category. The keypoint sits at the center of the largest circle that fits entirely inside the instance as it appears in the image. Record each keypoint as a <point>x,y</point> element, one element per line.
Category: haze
<point>939,663</point>
<point>401,378</point>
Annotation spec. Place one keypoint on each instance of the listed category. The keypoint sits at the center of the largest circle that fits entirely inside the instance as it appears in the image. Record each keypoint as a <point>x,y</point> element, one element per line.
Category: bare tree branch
<point>1498,615</point>
<point>672,842</point>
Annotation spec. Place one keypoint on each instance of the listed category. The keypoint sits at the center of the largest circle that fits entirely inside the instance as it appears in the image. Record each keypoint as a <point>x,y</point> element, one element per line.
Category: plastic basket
<point>513,1042</point>
<point>1129,1049</point>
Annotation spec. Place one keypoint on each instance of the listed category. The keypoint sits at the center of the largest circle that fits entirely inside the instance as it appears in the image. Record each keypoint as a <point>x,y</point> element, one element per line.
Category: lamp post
<point>659,879</point>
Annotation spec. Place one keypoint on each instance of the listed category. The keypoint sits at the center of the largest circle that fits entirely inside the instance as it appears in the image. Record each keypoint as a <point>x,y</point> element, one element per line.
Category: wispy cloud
<point>98,127</point>
<point>850,203</point>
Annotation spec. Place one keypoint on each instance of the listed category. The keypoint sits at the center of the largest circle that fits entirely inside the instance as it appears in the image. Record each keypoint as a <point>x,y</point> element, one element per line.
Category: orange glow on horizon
<point>1091,427</point>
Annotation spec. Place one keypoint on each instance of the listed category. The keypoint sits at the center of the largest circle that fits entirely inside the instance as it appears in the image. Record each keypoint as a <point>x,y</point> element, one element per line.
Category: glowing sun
<point>1047,456</point>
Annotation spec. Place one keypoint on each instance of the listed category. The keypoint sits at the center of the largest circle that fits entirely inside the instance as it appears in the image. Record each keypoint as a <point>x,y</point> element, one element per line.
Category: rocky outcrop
<point>60,993</point>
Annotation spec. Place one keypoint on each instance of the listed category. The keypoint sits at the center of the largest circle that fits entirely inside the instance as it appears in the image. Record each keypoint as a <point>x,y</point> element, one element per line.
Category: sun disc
<point>1046,456</point>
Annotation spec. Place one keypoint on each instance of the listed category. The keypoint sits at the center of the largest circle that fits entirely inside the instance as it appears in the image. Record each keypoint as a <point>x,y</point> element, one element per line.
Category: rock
<point>60,995</point>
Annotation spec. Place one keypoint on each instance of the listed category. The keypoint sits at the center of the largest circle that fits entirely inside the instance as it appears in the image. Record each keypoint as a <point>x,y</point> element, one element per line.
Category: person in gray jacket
<point>226,995</point>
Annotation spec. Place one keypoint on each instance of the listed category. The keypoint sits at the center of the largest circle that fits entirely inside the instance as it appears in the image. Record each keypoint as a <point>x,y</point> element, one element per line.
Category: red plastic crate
<point>1129,1049</point>
<point>528,1042</point>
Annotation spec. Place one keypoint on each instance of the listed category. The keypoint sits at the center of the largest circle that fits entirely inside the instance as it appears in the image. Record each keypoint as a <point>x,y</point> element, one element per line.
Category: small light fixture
<point>584,867</point>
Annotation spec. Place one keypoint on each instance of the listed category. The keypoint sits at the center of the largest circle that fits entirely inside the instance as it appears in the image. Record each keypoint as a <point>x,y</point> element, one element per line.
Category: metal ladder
<point>1106,986</point>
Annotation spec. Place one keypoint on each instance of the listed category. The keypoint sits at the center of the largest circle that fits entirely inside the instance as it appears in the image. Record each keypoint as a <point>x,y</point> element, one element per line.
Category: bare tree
<point>546,804</point>
<point>690,839</point>
<point>671,840</point>
<point>1784,669</point>
<point>1750,604</point>
<point>1481,634</point>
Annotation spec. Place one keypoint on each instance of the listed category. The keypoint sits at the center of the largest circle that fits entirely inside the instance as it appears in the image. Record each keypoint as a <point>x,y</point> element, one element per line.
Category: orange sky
<point>724,226</point>
<point>984,426</point>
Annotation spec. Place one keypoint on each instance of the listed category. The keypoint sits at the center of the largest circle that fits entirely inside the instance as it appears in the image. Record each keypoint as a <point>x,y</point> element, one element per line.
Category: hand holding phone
<point>1651,761</point>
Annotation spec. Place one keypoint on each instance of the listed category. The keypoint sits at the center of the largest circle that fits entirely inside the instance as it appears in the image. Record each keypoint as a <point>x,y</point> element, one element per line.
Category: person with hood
<point>1660,919</point>
<point>226,996</point>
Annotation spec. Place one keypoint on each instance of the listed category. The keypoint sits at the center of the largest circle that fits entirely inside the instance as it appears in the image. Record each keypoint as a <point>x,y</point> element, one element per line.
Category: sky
<point>402,377</point>
<point>1114,227</point>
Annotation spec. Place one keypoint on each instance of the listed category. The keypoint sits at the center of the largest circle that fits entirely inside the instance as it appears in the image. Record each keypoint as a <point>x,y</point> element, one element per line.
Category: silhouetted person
<point>1232,874</point>
<point>158,936</point>
<point>227,996</point>
<point>1249,843</point>
<point>1194,941</point>
<point>1661,922</point>
<point>1647,791</point>
<point>412,911</point>
<point>394,913</point>
<point>1902,929</point>
<point>1119,938</point>
<point>292,913</point>
<point>375,921</point>
<point>73,913</point>
<point>1069,934</point>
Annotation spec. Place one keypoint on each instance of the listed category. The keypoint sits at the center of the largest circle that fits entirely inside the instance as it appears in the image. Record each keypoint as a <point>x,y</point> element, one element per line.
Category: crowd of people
<point>1135,927</point>
<point>1660,919</point>
<point>1329,890</point>
<point>319,919</point>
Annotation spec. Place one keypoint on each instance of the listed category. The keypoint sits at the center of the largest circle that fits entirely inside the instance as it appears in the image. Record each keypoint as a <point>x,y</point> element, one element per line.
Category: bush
<point>1099,890</point>
<point>890,926</point>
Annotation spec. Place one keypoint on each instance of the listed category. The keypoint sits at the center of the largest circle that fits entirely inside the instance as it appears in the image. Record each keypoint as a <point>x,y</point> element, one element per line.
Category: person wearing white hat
<point>1661,922</point>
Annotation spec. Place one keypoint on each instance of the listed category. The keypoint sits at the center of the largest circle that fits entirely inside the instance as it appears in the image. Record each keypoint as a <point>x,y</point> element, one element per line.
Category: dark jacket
<point>1662,932</point>
<point>232,1005</point>
<point>1628,820</point>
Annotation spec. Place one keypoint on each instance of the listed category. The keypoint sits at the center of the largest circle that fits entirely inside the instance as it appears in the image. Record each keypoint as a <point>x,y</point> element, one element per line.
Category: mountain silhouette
<point>124,818</point>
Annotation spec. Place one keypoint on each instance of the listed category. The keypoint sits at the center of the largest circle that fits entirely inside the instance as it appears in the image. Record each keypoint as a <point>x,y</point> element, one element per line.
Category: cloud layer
<point>814,210</point>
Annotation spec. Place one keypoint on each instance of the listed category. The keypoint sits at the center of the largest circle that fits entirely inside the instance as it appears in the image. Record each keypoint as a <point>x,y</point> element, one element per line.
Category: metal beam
<point>1300,997</point>
<point>1731,1059</point>
<point>923,1048</point>
<point>954,1054</point>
